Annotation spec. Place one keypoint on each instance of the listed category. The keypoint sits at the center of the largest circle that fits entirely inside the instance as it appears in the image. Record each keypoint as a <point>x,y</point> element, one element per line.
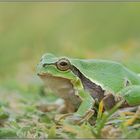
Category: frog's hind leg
<point>131,95</point>
<point>109,101</point>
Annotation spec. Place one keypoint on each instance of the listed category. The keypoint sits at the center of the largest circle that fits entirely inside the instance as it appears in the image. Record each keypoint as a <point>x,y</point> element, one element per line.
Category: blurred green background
<point>83,30</point>
<point>109,30</point>
<point>74,29</point>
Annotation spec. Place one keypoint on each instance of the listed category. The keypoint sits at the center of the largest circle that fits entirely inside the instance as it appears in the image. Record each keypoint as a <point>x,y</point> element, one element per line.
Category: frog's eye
<point>63,64</point>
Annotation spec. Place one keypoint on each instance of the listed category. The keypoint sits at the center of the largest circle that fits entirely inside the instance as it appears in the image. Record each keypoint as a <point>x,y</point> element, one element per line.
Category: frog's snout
<point>42,75</point>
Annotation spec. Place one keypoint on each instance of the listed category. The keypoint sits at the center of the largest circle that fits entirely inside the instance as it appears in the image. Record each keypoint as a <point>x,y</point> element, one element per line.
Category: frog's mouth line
<point>48,75</point>
<point>43,75</point>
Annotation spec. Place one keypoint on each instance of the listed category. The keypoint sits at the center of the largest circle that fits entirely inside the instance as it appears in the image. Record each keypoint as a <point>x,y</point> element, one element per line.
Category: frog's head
<point>50,65</point>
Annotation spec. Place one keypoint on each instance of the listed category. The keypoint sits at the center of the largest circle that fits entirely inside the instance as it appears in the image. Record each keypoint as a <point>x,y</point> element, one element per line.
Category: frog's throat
<point>95,90</point>
<point>62,87</point>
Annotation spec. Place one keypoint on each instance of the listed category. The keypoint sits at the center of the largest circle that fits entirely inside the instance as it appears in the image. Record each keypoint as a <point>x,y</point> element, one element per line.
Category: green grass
<point>22,115</point>
<point>83,30</point>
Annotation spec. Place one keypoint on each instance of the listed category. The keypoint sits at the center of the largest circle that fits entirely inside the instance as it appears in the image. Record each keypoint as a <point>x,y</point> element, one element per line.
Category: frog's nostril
<point>44,65</point>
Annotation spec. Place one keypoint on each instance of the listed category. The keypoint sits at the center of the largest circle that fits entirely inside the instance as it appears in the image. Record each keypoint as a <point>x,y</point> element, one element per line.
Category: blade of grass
<point>101,122</point>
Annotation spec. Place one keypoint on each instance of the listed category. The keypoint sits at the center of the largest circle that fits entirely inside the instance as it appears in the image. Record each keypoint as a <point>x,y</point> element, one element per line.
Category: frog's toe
<point>68,118</point>
<point>74,119</point>
<point>59,117</point>
<point>134,118</point>
<point>78,119</point>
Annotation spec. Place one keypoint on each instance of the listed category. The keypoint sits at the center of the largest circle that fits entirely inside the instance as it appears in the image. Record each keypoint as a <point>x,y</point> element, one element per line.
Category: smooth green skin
<point>112,76</point>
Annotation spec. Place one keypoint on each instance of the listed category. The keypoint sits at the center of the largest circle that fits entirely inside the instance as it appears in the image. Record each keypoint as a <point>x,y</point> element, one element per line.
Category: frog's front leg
<point>84,111</point>
<point>78,119</point>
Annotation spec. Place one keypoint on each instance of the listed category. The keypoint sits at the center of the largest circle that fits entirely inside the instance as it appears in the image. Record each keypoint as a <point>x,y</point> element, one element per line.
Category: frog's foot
<point>125,112</point>
<point>75,118</point>
<point>86,117</point>
<point>58,118</point>
<point>134,118</point>
<point>128,111</point>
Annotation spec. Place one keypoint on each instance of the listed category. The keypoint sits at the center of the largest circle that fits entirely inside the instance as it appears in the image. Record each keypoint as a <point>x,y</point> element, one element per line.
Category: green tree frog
<point>102,80</point>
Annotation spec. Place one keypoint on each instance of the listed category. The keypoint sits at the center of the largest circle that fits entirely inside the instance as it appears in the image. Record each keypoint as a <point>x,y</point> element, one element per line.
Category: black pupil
<point>63,63</point>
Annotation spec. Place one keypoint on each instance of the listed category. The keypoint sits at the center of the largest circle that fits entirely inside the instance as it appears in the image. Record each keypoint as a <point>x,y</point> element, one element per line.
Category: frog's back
<point>109,74</point>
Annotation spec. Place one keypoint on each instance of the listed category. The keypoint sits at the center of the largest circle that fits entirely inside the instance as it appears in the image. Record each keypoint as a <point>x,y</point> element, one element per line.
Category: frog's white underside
<point>60,86</point>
